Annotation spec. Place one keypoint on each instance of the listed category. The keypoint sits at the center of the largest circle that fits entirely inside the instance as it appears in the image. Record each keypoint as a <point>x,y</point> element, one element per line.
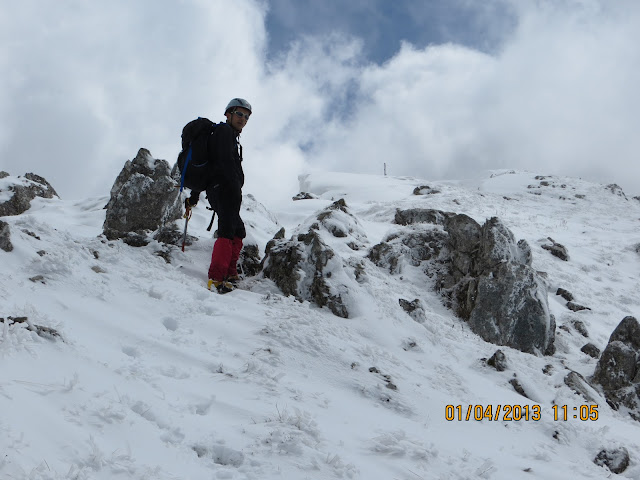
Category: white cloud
<point>87,84</point>
<point>559,98</point>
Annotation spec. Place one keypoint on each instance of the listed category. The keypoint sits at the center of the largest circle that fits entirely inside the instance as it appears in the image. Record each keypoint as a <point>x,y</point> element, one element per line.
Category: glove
<point>192,201</point>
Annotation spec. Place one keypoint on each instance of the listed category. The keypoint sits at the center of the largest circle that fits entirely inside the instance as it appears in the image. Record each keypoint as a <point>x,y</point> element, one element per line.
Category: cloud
<point>557,98</point>
<point>88,84</point>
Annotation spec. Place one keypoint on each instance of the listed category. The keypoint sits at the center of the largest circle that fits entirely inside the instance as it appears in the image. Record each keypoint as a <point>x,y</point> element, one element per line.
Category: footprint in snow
<point>170,323</point>
<point>133,352</point>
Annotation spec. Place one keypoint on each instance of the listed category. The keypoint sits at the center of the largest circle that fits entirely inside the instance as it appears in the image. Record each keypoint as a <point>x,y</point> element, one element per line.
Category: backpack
<point>193,159</point>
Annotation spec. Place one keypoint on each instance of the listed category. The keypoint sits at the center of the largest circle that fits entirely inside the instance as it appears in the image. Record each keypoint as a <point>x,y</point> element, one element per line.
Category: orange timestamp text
<point>517,413</point>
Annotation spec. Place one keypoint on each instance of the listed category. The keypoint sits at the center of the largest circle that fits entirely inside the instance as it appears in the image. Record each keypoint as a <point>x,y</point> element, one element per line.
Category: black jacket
<point>225,160</point>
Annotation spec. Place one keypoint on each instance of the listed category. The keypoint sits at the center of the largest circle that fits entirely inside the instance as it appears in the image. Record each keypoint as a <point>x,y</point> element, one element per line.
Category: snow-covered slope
<point>157,378</point>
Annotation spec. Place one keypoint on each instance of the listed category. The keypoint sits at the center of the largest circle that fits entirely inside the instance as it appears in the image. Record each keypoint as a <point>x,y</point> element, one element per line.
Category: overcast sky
<point>433,88</point>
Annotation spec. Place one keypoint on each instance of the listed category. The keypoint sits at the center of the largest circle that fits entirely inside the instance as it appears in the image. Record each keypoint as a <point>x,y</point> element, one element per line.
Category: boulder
<point>618,370</point>
<point>616,460</point>
<point>314,264</point>
<point>484,275</point>
<point>143,199</point>
<point>491,284</point>
<point>498,361</point>
<point>24,190</point>
<point>510,310</point>
<point>304,267</point>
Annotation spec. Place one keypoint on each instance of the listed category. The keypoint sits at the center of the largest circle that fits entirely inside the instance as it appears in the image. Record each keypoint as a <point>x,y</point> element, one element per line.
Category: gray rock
<point>279,234</point>
<point>591,350</point>
<point>41,331</point>
<point>517,386</point>
<point>616,190</point>
<point>425,190</point>
<point>5,237</point>
<point>618,370</point>
<point>568,296</point>
<point>414,309</point>
<point>510,310</point>
<point>172,235</point>
<point>308,269</point>
<point>579,385</point>
<point>281,264</point>
<point>43,188</point>
<point>616,460</point>
<point>3,174</point>
<point>250,261</point>
<point>337,220</point>
<point>495,288</point>
<point>575,307</point>
<point>464,233</point>
<point>23,192</point>
<point>143,199</point>
<point>421,215</point>
<point>297,266</point>
<point>385,256</point>
<point>498,246</point>
<point>484,275</point>
<point>557,250</point>
<point>304,196</point>
<point>458,282</point>
<point>413,247</point>
<point>498,361</point>
<point>580,328</point>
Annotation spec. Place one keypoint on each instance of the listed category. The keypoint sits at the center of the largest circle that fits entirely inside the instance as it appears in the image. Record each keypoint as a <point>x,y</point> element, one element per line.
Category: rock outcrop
<point>308,268</point>
<point>23,191</point>
<point>303,266</point>
<point>491,284</point>
<point>143,199</point>
<point>484,274</point>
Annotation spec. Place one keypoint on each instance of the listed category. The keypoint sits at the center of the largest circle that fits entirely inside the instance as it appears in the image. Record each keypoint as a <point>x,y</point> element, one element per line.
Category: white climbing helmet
<point>238,102</point>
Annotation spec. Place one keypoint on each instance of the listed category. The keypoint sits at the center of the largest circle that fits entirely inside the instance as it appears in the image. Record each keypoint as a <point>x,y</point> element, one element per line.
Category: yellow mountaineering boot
<point>220,286</point>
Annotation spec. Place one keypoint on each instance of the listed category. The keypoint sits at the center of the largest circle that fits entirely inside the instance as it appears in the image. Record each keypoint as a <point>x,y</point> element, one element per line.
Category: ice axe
<point>187,216</point>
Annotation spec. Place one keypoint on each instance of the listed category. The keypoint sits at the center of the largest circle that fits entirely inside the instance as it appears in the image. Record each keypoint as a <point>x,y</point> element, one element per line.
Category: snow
<point>155,377</point>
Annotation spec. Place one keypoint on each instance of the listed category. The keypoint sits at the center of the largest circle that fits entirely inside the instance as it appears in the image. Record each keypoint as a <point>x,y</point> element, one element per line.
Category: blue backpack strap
<point>184,170</point>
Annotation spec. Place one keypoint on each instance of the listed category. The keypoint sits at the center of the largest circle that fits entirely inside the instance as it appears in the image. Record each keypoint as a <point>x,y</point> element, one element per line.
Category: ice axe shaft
<point>187,216</point>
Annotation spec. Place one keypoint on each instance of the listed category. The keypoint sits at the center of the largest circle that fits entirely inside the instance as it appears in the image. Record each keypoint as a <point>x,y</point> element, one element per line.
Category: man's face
<point>238,118</point>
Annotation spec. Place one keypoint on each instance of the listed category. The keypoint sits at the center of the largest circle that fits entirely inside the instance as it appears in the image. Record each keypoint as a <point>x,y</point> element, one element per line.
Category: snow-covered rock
<point>143,199</point>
